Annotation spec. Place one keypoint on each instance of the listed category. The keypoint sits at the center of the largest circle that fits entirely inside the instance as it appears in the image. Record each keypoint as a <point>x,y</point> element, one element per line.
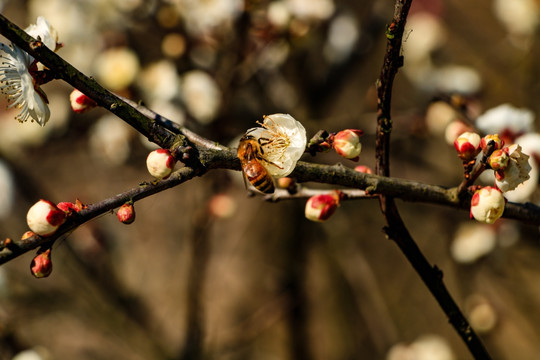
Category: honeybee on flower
<point>272,149</point>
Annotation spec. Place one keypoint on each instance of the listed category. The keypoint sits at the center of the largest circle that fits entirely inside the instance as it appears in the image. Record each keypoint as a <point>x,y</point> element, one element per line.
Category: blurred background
<point>206,272</point>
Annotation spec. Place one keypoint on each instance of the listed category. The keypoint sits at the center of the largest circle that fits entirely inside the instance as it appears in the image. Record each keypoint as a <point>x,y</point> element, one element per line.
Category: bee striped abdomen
<point>258,176</point>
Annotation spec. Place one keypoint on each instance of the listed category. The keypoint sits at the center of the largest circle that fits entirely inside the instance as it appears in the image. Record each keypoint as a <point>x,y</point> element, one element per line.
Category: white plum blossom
<point>517,170</point>
<point>17,75</point>
<point>472,241</point>
<point>201,95</point>
<point>505,119</point>
<point>283,140</point>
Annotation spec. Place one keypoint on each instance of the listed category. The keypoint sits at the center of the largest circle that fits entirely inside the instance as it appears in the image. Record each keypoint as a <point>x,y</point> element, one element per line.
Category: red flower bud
<point>81,103</point>
<point>467,145</point>
<point>320,207</point>
<point>126,213</point>
<point>41,265</point>
<point>347,143</point>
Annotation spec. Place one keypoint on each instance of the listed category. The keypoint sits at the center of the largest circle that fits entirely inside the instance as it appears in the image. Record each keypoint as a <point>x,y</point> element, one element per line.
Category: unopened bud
<point>320,207</point>
<point>160,163</point>
<point>499,143</point>
<point>347,143</point>
<point>498,160</point>
<point>467,145</point>
<point>126,213</point>
<point>487,204</point>
<point>27,235</point>
<point>81,103</point>
<point>44,218</point>
<point>41,265</point>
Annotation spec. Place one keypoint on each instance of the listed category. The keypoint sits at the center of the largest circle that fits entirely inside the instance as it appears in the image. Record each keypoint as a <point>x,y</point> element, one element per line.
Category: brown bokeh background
<point>261,281</point>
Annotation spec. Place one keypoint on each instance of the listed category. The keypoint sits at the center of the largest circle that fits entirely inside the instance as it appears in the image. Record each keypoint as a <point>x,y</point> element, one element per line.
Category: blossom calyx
<point>487,204</point>
<point>516,171</point>
<point>160,163</point>
<point>80,103</point>
<point>126,213</point>
<point>347,143</point>
<point>319,208</point>
<point>467,145</point>
<point>41,265</point>
<point>44,218</point>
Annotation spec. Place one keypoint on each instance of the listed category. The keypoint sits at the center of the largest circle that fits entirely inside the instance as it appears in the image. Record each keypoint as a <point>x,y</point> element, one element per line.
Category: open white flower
<point>19,86</point>
<point>17,70</point>
<point>517,170</point>
<point>283,141</point>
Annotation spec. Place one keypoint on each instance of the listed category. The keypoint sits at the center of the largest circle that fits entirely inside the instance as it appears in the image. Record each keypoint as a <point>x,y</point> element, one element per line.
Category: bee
<point>251,156</point>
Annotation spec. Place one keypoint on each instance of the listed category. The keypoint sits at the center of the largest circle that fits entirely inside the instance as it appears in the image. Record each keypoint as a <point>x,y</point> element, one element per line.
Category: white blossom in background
<point>472,241</point>
<point>426,347</point>
<point>278,14</point>
<point>117,68</point>
<point>481,314</point>
<point>506,118</point>
<point>456,79</point>
<point>520,17</point>
<point>283,141</point>
<point>343,35</point>
<point>316,10</point>
<point>110,140</point>
<point>426,34</point>
<point>7,190</point>
<point>201,95</point>
<point>202,17</point>
<point>159,81</point>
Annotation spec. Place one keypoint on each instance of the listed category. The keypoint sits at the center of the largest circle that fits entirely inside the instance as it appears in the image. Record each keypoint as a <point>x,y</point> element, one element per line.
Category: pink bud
<point>126,213</point>
<point>320,207</point>
<point>347,143</point>
<point>160,163</point>
<point>44,218</point>
<point>467,145</point>
<point>81,103</point>
<point>41,265</point>
<point>498,160</point>
<point>363,169</point>
<point>499,143</point>
<point>487,204</point>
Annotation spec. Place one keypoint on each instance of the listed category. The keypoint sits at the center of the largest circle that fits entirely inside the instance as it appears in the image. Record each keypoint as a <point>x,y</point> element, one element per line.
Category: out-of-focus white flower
<point>201,95</point>
<point>278,14</point>
<point>426,347</point>
<point>467,145</point>
<point>481,314</point>
<point>342,37</point>
<point>37,353</point>
<point>521,17</point>
<point>17,84</point>
<point>426,35</point>
<point>487,204</point>
<point>202,17</point>
<point>311,9</point>
<point>439,115</point>
<point>159,81</point>
<point>110,140</point>
<point>517,170</point>
<point>283,140</point>
<point>472,241</point>
<point>456,79</point>
<point>454,129</point>
<point>117,68</point>
<point>7,190</point>
<point>506,119</point>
